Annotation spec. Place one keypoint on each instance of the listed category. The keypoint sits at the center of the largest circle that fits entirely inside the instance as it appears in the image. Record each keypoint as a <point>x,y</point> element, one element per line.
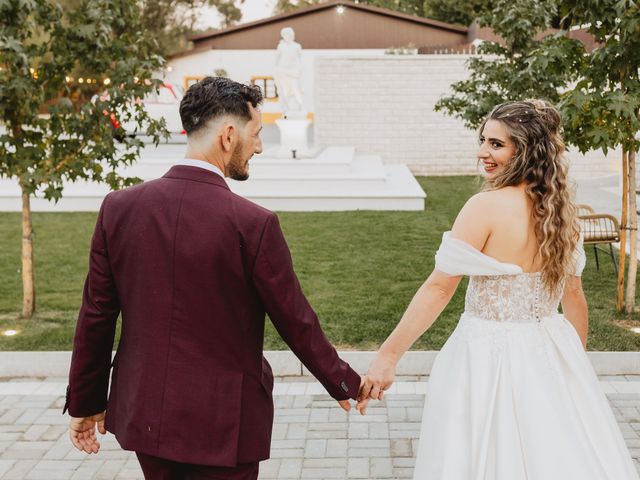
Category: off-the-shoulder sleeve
<point>456,257</point>
<point>579,257</point>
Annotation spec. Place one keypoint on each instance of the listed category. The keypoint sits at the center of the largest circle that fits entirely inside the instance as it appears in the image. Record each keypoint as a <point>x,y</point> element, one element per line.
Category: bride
<point>512,395</point>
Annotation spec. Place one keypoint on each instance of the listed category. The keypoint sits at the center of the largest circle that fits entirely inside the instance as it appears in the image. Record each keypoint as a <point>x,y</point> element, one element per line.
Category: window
<point>188,81</point>
<point>267,85</point>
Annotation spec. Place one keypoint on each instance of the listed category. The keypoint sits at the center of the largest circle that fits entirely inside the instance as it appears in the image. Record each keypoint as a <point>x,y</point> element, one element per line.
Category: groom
<point>192,268</point>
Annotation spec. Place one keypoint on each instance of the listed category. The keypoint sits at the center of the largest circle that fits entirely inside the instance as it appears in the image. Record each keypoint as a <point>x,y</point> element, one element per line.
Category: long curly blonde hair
<point>534,129</point>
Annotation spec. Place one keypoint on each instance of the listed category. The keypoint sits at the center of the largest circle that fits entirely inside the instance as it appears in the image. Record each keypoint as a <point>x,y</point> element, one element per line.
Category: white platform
<point>337,179</point>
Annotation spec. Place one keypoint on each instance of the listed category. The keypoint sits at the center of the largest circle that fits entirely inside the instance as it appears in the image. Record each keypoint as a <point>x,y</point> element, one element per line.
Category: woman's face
<point>496,148</point>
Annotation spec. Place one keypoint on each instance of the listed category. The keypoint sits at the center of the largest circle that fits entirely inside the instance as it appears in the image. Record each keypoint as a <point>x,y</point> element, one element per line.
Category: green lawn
<point>359,270</point>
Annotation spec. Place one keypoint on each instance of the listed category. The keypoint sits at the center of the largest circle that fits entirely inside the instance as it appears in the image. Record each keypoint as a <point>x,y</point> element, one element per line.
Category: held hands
<point>378,379</point>
<point>346,404</point>
<point>82,432</point>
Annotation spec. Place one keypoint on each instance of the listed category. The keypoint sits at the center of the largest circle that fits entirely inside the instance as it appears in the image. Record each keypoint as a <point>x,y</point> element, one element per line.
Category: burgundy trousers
<point>155,468</point>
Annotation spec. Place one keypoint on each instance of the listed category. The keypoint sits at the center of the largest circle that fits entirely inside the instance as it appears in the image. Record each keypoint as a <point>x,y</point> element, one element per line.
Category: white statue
<point>288,69</point>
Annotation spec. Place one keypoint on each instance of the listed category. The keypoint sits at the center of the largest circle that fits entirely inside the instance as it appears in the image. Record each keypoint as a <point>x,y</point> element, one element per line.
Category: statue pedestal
<point>293,138</point>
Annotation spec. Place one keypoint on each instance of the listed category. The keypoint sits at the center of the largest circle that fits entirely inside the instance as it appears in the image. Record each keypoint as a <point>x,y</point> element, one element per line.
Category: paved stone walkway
<point>312,438</point>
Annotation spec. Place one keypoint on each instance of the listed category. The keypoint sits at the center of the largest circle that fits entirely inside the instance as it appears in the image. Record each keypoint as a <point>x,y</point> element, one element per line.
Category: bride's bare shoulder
<point>485,199</point>
<point>482,213</point>
<point>502,200</point>
<point>473,223</point>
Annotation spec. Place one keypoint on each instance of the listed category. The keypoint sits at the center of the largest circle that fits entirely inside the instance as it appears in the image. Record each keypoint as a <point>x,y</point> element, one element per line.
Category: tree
<point>453,11</point>
<point>411,7</point>
<point>172,21</point>
<point>449,11</point>
<point>603,109</point>
<point>39,51</point>
<point>525,66</point>
<point>284,6</point>
<point>230,12</point>
<point>597,92</point>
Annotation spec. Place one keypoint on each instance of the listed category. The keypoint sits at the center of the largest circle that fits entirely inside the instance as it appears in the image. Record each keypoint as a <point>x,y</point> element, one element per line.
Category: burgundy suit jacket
<point>192,268</point>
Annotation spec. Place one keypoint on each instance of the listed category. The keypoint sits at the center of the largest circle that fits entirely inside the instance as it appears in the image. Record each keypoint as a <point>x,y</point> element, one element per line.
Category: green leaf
<point>597,92</point>
<point>75,139</point>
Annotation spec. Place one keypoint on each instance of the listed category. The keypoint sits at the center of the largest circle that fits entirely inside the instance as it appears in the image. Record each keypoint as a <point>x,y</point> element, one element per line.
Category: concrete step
<point>154,163</point>
<point>77,197</point>
<point>367,168</point>
<point>335,160</point>
<point>285,364</point>
<point>401,192</point>
<point>367,174</point>
<point>337,179</point>
<point>336,154</point>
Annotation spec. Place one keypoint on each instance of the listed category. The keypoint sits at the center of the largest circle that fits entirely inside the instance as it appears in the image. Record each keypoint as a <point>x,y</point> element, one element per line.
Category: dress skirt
<point>518,401</point>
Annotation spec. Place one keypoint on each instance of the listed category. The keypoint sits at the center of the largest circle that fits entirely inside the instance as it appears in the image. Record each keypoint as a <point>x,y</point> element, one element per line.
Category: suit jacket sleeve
<point>293,317</point>
<point>95,331</point>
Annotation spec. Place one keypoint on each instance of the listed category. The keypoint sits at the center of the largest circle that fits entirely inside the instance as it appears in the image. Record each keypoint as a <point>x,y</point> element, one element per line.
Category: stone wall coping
<point>286,364</point>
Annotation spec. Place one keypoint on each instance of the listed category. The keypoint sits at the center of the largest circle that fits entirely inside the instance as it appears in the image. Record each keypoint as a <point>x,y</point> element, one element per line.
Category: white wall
<point>241,65</point>
<point>384,105</point>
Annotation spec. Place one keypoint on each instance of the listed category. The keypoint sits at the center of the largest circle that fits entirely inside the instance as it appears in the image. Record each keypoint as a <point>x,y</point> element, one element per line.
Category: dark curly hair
<point>213,97</point>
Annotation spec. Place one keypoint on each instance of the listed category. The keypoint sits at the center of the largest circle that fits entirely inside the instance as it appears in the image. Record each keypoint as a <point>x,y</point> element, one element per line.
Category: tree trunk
<point>633,233</point>
<point>28,280</point>
<point>623,230</point>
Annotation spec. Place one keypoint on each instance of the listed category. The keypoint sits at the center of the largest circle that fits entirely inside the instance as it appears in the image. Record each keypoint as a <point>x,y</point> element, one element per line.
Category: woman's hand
<point>426,305</point>
<point>379,378</point>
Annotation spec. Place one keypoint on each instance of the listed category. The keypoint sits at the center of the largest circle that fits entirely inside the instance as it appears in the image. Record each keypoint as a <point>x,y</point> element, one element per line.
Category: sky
<point>251,10</point>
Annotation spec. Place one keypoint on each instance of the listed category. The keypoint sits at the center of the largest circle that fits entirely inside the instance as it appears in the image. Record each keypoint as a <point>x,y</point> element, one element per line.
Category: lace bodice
<point>510,298</point>
<point>500,291</point>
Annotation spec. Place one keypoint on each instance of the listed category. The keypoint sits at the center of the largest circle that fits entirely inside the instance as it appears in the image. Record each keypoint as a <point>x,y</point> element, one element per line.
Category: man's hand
<point>346,404</point>
<point>379,378</point>
<point>82,432</point>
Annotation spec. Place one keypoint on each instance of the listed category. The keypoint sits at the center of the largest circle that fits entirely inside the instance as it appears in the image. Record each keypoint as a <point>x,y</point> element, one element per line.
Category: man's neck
<point>196,154</point>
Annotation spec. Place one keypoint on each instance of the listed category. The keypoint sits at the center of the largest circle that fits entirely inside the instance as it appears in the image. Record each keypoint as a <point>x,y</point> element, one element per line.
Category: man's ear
<point>228,137</point>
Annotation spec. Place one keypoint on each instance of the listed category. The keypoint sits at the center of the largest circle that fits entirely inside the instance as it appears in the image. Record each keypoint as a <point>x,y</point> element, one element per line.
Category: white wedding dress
<point>512,395</point>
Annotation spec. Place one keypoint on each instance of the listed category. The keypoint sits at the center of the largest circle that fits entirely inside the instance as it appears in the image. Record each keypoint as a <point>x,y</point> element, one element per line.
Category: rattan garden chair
<point>584,209</point>
<point>599,229</point>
